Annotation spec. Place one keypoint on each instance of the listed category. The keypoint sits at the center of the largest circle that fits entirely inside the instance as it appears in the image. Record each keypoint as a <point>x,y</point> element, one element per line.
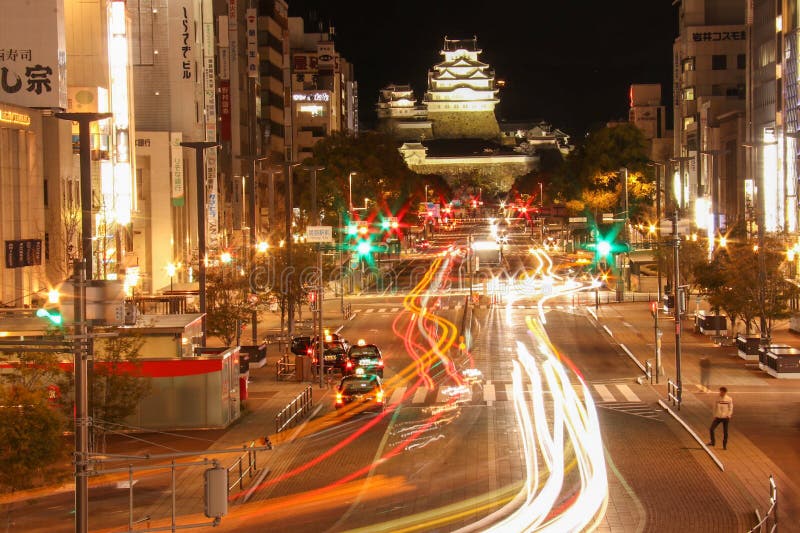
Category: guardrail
<point>295,411</point>
<point>248,457</point>
<point>769,523</point>
<point>674,393</point>
<point>284,369</point>
<point>347,311</point>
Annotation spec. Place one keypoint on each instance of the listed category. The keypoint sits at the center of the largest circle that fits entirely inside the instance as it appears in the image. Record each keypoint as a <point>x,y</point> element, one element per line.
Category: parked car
<point>335,356</point>
<point>301,345</point>
<point>361,388</point>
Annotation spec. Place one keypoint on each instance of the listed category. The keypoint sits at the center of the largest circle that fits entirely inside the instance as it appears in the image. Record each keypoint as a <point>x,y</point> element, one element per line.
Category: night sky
<point>569,62</point>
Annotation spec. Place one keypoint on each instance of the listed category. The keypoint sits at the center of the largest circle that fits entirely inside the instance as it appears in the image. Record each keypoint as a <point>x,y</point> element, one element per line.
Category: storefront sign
<point>23,253</point>
<point>33,57</point>
<point>311,97</point>
<point>176,168</point>
<point>715,36</point>
<point>252,43</point>
<point>12,117</point>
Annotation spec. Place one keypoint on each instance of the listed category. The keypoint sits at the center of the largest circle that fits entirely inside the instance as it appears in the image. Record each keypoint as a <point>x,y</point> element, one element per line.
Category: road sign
<point>319,234</point>
<point>577,220</point>
<point>666,226</point>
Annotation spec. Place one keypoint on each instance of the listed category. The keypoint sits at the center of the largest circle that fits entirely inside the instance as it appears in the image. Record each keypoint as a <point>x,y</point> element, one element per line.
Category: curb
<point>692,433</point>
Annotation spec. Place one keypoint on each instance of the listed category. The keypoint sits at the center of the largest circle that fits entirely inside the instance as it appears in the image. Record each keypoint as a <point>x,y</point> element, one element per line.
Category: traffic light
<point>53,315</point>
<point>603,248</point>
<point>352,229</point>
<point>363,248</point>
<point>363,229</point>
<point>385,224</point>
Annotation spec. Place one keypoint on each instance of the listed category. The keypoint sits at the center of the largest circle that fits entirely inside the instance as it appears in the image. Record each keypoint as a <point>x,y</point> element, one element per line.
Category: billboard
<point>33,56</point>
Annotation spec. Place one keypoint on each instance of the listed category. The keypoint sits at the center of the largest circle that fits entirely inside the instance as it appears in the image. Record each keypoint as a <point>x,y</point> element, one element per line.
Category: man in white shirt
<point>723,411</point>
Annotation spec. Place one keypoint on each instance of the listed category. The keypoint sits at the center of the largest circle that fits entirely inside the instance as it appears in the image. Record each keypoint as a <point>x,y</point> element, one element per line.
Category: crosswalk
<point>615,396</point>
<point>395,310</point>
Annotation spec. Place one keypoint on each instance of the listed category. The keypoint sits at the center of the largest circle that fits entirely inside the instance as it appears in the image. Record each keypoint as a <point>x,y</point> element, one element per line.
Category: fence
<point>297,409</point>
<point>246,466</point>
<point>284,369</point>
<point>674,393</point>
<point>769,523</point>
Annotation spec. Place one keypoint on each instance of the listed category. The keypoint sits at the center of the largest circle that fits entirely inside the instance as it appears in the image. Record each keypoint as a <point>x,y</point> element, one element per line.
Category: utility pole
<point>319,287</point>
<point>80,343</point>
<point>676,243</point>
<point>200,170</point>
<point>251,223</point>
<point>288,238</point>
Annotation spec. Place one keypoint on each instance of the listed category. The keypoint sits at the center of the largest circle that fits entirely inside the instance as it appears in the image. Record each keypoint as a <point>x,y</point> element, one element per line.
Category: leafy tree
<point>32,446</point>
<point>117,386</point>
<point>229,302</point>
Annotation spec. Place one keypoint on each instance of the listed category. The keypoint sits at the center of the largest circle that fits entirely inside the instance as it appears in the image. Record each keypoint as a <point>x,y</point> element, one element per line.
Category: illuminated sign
<point>311,97</point>
<point>12,117</point>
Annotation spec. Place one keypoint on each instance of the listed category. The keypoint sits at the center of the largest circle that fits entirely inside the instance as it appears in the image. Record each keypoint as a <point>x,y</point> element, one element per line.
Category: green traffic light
<point>352,229</point>
<point>53,317</point>
<point>603,248</point>
<point>364,248</point>
<point>385,225</point>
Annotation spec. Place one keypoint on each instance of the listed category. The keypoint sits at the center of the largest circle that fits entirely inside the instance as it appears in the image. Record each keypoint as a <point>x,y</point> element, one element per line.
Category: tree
<point>32,444</point>
<point>117,385</point>
<point>228,302</point>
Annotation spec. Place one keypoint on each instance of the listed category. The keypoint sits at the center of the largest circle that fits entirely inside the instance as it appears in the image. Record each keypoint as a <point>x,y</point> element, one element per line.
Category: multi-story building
<point>400,114</point>
<point>709,77</point>
<point>323,89</point>
<point>648,113</point>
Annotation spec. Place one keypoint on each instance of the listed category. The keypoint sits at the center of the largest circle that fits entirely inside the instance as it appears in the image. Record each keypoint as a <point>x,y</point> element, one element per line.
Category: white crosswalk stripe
<point>369,310</point>
<point>382,310</point>
<point>419,395</point>
<point>397,395</point>
<point>604,393</point>
<point>628,393</point>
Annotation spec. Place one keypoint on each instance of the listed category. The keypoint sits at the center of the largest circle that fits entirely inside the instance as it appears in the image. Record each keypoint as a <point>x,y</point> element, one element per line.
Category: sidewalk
<point>746,462</point>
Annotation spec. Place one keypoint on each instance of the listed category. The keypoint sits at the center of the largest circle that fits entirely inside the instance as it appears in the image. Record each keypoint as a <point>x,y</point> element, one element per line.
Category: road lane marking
<point>627,392</point>
<point>604,393</point>
<point>382,310</point>
<point>419,395</point>
<point>369,310</point>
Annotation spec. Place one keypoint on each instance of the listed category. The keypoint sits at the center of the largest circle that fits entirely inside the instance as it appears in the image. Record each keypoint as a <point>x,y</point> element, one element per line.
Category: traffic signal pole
<point>81,357</point>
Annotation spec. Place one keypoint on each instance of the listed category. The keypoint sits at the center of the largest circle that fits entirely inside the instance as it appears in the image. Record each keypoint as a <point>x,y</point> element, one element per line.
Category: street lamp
<point>171,269</point>
<point>350,192</point>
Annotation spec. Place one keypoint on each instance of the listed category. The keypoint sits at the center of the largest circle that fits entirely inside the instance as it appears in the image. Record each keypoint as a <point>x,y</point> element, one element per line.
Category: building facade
<point>709,88</point>
<point>324,92</point>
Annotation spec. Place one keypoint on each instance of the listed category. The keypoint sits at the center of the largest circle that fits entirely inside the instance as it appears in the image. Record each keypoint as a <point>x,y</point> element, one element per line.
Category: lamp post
<point>200,170</point>
<point>171,269</point>
<point>657,332</point>
<point>251,222</point>
<point>350,192</point>
<point>84,120</point>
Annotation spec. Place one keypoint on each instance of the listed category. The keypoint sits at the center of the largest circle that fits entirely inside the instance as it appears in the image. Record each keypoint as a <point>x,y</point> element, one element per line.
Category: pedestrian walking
<point>723,411</point>
<point>705,372</point>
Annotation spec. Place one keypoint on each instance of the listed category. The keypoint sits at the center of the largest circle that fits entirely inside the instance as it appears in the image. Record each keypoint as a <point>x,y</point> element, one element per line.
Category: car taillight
<point>379,396</point>
<point>349,364</point>
<point>380,363</point>
<point>309,351</point>
<point>338,397</point>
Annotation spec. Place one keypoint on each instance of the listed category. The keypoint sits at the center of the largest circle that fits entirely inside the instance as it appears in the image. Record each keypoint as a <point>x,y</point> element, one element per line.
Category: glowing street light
<point>262,247</point>
<point>225,257</point>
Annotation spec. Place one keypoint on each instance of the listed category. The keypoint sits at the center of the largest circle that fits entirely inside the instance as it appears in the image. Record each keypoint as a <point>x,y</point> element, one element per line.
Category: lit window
<point>688,64</point>
<point>688,93</point>
<point>315,110</point>
<point>688,121</point>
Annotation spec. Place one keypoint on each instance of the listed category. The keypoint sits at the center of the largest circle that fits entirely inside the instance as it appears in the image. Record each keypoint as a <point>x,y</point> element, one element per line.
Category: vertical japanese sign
<point>176,168</point>
<point>33,57</point>
<point>252,43</point>
<point>210,103</point>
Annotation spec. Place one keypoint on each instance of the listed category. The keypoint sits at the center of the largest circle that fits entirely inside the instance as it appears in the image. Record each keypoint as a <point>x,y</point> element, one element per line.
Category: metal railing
<point>347,311</point>
<point>246,465</point>
<point>284,369</point>
<point>674,394</point>
<point>769,523</point>
<point>648,370</point>
<point>297,409</point>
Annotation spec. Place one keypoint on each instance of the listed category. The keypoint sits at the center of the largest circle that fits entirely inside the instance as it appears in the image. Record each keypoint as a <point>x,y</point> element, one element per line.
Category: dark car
<point>366,356</point>
<point>332,337</point>
<point>301,345</point>
<point>335,356</point>
<point>364,389</point>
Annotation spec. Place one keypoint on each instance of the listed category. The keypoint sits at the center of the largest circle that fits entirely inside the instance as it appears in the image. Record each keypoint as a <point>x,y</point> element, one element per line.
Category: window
<point>716,90</point>
<point>688,93</point>
<point>688,121</point>
<point>741,61</point>
<point>687,65</point>
<point>719,62</point>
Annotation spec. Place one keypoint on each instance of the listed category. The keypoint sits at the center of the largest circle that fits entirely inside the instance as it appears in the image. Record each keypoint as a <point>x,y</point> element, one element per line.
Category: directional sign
<point>319,234</point>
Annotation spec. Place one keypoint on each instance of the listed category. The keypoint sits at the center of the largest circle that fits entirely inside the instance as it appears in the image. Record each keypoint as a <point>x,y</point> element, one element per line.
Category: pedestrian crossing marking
<point>397,395</point>
<point>628,393</point>
<point>419,395</point>
<point>369,310</point>
<point>382,310</point>
<point>489,393</point>
<point>604,393</point>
